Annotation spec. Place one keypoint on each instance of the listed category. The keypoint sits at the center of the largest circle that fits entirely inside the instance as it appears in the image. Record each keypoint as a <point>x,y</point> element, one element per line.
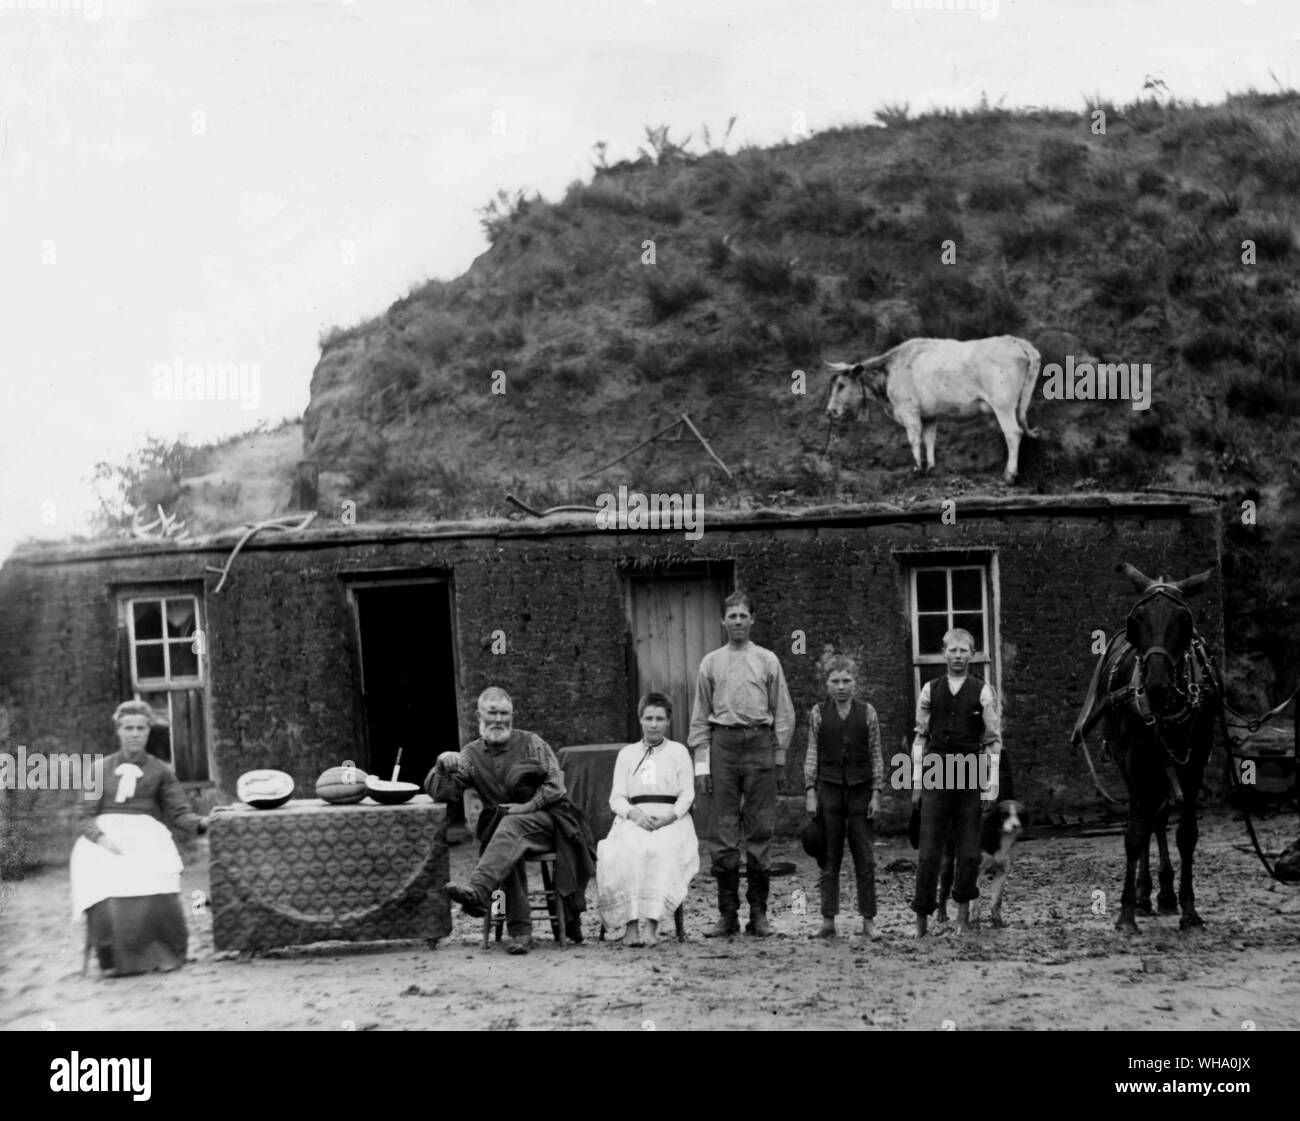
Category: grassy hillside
<point>1126,244</point>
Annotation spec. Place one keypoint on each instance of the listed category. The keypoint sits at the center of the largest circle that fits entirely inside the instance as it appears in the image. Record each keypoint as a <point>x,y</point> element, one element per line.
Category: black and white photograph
<point>651,516</point>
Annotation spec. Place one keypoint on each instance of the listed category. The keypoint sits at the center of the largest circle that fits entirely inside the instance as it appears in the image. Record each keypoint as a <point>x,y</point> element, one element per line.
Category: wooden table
<point>314,872</point>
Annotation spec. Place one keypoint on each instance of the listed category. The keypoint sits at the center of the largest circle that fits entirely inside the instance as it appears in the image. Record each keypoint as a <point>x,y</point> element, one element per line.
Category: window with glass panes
<point>944,597</point>
<point>167,666</point>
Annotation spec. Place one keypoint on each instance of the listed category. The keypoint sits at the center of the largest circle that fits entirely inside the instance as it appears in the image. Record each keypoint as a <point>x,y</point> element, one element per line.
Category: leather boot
<point>728,905</point>
<point>759,883</point>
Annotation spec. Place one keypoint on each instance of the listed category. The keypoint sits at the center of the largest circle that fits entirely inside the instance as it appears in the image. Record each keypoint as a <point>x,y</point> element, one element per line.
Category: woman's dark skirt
<point>138,933</point>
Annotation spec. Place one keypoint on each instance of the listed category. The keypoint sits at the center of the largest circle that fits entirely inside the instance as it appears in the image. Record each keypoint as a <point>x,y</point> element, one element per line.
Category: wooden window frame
<point>989,661</point>
<point>127,598</point>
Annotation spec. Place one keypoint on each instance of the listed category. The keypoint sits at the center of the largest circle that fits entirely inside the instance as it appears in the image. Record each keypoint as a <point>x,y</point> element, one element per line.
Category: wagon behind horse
<point>1157,695</point>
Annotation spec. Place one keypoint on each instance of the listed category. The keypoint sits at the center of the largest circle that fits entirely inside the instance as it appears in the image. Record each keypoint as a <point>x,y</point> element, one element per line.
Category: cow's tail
<point>1027,390</point>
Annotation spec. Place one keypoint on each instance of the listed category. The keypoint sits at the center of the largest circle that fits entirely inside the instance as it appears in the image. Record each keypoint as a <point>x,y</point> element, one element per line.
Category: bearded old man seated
<point>525,810</point>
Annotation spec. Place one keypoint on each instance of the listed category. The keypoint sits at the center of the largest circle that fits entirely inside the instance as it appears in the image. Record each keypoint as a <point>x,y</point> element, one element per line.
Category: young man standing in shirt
<point>956,716</point>
<point>741,726</point>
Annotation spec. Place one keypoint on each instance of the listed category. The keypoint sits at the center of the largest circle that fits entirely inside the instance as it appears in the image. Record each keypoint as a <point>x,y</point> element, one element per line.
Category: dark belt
<point>664,799</point>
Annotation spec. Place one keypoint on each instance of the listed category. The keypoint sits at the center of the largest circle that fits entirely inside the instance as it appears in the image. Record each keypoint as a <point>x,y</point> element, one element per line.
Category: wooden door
<point>674,621</point>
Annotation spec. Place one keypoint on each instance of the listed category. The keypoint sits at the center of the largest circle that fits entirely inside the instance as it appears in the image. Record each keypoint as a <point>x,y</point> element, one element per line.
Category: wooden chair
<point>551,907</point>
<point>679,921</point>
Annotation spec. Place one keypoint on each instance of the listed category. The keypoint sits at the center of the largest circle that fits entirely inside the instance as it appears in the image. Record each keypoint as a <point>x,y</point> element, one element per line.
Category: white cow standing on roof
<point>925,379</point>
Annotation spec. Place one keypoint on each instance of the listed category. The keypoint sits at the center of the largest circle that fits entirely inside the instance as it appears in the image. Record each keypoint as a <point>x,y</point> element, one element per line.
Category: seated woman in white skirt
<point>645,866</point>
<point>125,869</point>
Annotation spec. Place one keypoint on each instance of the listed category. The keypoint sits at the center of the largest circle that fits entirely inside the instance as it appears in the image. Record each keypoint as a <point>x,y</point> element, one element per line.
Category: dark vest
<point>843,746</point>
<point>491,768</point>
<point>956,722</point>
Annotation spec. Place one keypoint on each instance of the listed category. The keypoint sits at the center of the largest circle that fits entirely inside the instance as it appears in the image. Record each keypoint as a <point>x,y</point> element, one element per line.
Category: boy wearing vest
<point>843,773</point>
<point>956,715</point>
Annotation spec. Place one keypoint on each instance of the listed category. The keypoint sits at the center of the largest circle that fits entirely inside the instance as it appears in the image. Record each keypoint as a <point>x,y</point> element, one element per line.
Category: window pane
<point>932,590</point>
<point>149,660</point>
<point>180,617</point>
<point>967,589</point>
<point>973,623</point>
<point>148,618</point>
<point>929,632</point>
<point>185,663</point>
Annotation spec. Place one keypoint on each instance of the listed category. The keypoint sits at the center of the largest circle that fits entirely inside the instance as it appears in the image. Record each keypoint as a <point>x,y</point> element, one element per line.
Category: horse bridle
<point>1183,670</point>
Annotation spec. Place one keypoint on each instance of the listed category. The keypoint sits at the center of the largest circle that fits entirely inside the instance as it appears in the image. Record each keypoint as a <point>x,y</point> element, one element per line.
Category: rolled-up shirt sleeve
<point>992,739</point>
<point>782,712</point>
<point>447,784</point>
<point>922,734</point>
<point>552,788</point>
<point>700,735</point>
<point>810,757</point>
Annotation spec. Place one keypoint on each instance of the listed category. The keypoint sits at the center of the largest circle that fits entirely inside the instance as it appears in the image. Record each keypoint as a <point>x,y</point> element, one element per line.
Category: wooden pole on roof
<point>639,446</point>
<point>687,421</point>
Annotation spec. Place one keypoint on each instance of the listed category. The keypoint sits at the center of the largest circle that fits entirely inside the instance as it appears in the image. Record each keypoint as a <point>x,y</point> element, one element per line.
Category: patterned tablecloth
<point>313,872</point>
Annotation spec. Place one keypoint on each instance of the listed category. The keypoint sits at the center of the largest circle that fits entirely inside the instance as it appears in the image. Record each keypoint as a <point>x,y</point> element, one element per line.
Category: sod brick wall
<point>284,679</point>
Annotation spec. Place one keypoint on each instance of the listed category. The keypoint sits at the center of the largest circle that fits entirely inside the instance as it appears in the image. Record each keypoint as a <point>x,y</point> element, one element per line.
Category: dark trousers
<point>942,810</point>
<point>844,812</point>
<point>742,762</point>
<point>501,863</point>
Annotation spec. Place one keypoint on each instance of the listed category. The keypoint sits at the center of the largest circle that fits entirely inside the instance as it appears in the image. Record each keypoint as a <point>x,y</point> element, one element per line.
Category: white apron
<point>149,863</point>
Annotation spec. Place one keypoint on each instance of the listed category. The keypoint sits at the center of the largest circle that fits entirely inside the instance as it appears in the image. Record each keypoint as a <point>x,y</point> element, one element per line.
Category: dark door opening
<point>408,675</point>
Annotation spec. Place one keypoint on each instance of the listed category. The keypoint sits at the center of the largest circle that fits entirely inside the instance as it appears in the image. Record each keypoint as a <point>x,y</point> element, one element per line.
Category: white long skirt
<point>147,865</point>
<point>642,874</point>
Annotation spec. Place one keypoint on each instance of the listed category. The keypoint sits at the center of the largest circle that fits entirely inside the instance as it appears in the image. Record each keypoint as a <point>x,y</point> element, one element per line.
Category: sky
<point>219,181</point>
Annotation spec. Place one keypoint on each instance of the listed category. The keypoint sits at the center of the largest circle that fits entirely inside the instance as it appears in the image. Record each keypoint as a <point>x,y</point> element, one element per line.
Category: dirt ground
<point>1057,965</point>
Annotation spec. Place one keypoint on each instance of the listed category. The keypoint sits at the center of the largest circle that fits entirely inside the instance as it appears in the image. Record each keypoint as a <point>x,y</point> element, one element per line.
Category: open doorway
<point>407,654</point>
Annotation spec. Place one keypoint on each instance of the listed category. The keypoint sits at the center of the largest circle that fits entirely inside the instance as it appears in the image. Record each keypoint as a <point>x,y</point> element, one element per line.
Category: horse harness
<point>1198,680</point>
<point>1195,679</point>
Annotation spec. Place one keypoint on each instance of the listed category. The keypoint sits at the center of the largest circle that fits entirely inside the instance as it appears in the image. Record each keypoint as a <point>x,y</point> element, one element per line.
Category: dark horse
<point>1157,695</point>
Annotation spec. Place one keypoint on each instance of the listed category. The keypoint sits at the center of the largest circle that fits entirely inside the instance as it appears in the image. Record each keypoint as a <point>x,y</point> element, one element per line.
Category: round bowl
<point>264,790</point>
<point>390,793</point>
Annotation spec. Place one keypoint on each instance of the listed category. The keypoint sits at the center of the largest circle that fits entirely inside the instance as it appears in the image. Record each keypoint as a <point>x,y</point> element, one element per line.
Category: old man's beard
<point>493,735</point>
